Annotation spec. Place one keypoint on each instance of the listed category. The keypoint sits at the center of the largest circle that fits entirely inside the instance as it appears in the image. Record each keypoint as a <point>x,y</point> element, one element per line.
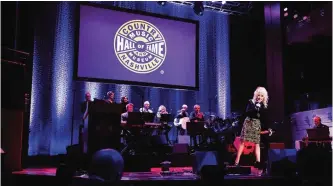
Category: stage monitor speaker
<point>212,174</point>
<point>281,161</point>
<point>203,158</point>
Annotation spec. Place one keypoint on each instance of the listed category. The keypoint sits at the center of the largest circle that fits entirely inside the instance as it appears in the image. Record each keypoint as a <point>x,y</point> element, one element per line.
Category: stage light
<point>198,8</point>
<point>162,3</point>
<point>305,17</point>
<point>295,16</point>
<point>285,9</point>
<point>285,14</point>
<point>223,2</point>
<point>322,12</point>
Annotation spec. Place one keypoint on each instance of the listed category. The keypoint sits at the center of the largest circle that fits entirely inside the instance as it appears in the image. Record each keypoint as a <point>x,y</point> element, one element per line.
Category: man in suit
<point>318,124</point>
<point>85,104</point>
<point>85,111</point>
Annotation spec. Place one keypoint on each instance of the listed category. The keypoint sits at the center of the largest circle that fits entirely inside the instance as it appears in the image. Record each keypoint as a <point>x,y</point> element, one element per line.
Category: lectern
<point>104,126</point>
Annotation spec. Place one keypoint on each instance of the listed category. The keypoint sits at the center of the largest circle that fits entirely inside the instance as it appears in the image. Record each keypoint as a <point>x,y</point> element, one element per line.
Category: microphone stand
<point>73,106</point>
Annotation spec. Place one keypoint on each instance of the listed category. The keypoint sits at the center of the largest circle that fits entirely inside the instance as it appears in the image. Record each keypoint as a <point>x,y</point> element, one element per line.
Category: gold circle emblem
<point>140,46</point>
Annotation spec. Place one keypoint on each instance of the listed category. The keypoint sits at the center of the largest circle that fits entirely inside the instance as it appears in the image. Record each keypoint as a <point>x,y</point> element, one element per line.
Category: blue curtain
<point>56,97</point>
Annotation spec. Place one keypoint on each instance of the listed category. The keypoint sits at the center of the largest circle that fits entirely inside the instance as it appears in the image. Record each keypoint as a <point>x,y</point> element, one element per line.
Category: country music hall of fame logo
<point>140,46</point>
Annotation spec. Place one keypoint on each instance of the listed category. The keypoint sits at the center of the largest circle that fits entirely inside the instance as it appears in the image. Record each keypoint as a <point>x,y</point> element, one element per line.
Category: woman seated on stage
<point>165,127</point>
<point>161,110</point>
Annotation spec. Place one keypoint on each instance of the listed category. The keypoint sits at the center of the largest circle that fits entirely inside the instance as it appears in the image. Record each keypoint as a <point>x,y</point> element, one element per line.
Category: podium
<point>104,126</point>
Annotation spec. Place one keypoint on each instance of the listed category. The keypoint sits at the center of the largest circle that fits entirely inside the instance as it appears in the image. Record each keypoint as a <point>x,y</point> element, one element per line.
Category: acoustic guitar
<point>182,122</point>
<point>249,146</point>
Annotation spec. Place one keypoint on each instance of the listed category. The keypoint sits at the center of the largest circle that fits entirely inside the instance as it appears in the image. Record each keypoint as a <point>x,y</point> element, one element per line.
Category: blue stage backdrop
<point>55,95</point>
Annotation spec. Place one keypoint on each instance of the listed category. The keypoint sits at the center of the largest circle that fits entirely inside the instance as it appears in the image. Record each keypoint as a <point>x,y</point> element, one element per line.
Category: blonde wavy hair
<point>263,91</point>
<point>161,108</point>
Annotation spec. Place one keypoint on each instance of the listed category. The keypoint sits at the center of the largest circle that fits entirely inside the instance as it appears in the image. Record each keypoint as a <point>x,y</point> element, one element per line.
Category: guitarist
<point>181,114</point>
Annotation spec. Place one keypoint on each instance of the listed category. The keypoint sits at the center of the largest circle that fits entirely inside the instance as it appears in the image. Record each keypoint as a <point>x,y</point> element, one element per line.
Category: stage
<point>47,176</point>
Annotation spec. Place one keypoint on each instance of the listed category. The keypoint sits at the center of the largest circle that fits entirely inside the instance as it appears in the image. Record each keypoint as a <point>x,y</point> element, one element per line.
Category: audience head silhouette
<point>107,165</point>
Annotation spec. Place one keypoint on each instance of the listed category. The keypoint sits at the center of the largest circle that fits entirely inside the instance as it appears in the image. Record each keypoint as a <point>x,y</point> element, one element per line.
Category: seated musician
<point>181,114</point>
<point>110,97</point>
<point>161,110</point>
<point>165,127</point>
<point>145,108</point>
<point>318,124</point>
<point>196,116</point>
<point>124,116</point>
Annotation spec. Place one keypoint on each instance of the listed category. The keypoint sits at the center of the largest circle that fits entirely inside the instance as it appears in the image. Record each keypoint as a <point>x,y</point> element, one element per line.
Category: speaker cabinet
<point>280,160</point>
<point>203,158</point>
<point>11,138</point>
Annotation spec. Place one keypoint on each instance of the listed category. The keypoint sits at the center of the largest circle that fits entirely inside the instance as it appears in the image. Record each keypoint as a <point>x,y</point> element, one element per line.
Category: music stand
<point>318,133</point>
<point>135,118</point>
<point>195,128</point>
<point>148,117</point>
<point>166,118</point>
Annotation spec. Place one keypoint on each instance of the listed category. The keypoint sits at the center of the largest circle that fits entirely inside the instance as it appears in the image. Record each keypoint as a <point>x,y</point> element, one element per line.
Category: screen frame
<point>135,83</point>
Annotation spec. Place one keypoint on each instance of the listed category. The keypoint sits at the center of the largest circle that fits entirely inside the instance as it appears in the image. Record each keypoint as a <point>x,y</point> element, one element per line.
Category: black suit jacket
<point>320,126</point>
<point>84,106</point>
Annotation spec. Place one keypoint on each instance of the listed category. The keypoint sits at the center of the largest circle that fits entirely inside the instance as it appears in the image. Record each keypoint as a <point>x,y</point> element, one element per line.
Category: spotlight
<point>223,2</point>
<point>162,3</point>
<point>295,16</point>
<point>305,17</point>
<point>285,9</point>
<point>285,14</point>
<point>198,8</point>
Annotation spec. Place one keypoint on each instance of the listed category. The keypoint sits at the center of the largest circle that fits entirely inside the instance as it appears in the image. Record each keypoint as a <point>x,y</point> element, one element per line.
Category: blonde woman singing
<point>252,125</point>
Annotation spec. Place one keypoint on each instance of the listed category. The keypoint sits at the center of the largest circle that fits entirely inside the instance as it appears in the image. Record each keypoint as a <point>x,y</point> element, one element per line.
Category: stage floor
<point>39,176</point>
